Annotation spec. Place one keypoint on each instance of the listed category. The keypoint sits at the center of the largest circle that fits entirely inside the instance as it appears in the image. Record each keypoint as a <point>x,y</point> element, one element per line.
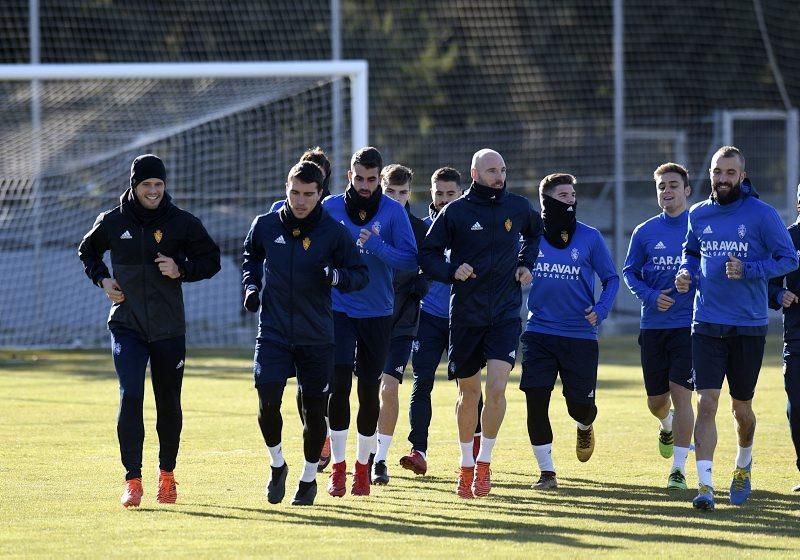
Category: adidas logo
<point>476,227</point>
<point>399,369</point>
<point>570,209</point>
<point>512,354</point>
<point>590,395</point>
<point>707,230</point>
<point>280,240</point>
<point>180,365</point>
<point>540,253</point>
<point>126,235</point>
<point>660,245</point>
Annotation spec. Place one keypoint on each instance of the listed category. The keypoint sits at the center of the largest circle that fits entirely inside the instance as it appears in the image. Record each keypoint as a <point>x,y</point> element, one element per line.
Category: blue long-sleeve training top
<point>393,248</point>
<point>563,285</point>
<point>437,300</point>
<point>653,258</point>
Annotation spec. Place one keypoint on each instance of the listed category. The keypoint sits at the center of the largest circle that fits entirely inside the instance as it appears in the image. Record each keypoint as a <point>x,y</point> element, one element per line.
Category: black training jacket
<point>791,315</point>
<point>483,228</point>
<point>296,300</point>
<point>153,306</point>
<point>409,288</point>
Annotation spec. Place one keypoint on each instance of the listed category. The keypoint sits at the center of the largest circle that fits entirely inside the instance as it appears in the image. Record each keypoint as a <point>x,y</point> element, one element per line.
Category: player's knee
<point>582,412</point>
<point>707,405</point>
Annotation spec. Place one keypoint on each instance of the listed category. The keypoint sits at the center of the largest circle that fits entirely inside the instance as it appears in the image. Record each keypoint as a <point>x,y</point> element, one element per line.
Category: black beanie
<point>147,166</point>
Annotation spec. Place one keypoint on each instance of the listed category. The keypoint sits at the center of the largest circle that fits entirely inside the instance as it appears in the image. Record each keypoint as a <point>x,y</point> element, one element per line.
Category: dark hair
<point>368,157</point>
<point>307,172</point>
<point>550,182</point>
<point>729,151</point>
<point>446,174</point>
<point>396,174</point>
<point>671,167</point>
<point>317,155</point>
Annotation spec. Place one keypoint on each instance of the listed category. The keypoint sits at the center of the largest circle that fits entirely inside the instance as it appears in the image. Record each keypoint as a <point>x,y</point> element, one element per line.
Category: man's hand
<point>591,316</point>
<point>523,275</point>
<point>683,281</point>
<point>734,268</point>
<point>366,234</point>
<point>168,267</point>
<point>113,290</point>
<point>251,299</point>
<point>664,302</point>
<point>464,273</point>
<point>789,298</point>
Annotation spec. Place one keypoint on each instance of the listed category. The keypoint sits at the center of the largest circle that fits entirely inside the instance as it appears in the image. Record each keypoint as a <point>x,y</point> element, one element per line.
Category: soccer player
<point>363,319</point>
<point>783,294</point>
<point>299,252</point>
<point>487,267</point>
<point>432,338</point>
<point>734,244</point>
<point>409,288</point>
<point>560,337</point>
<point>155,247</point>
<point>653,258</point>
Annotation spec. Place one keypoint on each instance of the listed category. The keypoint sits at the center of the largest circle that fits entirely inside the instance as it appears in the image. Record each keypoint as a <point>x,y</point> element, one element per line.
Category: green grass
<point>60,476</point>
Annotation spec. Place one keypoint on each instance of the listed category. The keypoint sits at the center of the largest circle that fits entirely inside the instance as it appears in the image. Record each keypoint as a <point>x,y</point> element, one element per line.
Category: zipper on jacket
<point>491,265</point>
<point>144,288</point>
<point>291,291</point>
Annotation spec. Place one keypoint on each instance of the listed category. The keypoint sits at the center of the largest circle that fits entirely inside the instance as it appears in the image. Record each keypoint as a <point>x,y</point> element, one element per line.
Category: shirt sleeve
<point>402,255</point>
<point>603,265</point>
<point>91,250</point>
<point>632,271</point>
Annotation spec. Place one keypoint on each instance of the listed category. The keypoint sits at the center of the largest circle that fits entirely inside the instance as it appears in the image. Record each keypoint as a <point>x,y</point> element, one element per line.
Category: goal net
<point>228,134</point>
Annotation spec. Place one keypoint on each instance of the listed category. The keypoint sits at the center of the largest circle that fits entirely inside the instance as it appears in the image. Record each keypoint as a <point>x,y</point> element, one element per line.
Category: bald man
<point>492,239</point>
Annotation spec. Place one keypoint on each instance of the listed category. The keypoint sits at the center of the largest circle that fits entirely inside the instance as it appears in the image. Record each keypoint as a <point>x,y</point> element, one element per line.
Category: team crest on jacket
<point>362,215</point>
<point>159,235</point>
<point>575,254</point>
<point>508,224</point>
<point>306,243</point>
<point>742,231</point>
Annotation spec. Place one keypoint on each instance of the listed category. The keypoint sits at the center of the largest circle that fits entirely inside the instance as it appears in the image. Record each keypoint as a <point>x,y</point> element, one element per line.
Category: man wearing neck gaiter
<point>380,228</point>
<point>296,254</point>
<point>487,267</point>
<point>734,244</point>
<point>560,337</point>
<point>155,247</point>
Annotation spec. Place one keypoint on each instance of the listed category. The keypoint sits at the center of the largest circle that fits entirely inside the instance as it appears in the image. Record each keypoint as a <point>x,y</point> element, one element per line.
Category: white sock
<point>338,445</point>
<point>309,472</point>
<point>466,455</point>
<point>423,453</point>
<point>704,473</point>
<point>276,456</point>
<point>743,456</point>
<point>666,422</point>
<point>583,427</point>
<point>679,458</point>
<point>544,456</point>
<point>363,448</point>
<point>373,443</point>
<point>485,454</point>
<point>327,427</point>
<point>384,442</point>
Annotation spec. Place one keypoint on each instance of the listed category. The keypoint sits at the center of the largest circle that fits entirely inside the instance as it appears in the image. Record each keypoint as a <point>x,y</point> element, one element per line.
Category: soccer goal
<point>228,132</point>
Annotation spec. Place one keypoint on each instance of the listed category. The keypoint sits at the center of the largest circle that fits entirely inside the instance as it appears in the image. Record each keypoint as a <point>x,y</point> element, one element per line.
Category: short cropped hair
<point>729,151</point>
<point>446,174</point>
<point>307,172</point>
<point>368,157</point>
<point>550,182</point>
<point>671,167</point>
<point>396,174</point>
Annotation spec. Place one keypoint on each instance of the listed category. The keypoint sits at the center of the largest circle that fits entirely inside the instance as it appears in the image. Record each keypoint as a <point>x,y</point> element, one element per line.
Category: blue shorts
<point>736,357</point>
<point>275,362</point>
<point>131,355</point>
<point>432,339</point>
<point>546,356</point>
<point>471,347</point>
<point>666,356</point>
<point>362,344</point>
<point>399,352</point>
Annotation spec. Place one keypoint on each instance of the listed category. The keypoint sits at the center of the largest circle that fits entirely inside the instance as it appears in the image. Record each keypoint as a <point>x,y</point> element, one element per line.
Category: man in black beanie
<point>155,247</point>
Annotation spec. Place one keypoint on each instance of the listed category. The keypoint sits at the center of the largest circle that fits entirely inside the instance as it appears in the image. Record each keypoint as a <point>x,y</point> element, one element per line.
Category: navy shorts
<point>546,356</point>
<point>131,355</point>
<point>399,353</point>
<point>432,339</point>
<point>275,362</point>
<point>666,356</point>
<point>736,357</point>
<point>471,347</point>
<point>362,344</point>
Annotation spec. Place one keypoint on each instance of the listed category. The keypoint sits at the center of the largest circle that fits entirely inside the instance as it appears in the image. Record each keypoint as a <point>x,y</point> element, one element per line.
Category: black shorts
<point>399,352</point>
<point>276,362</point>
<point>736,357</point>
<point>432,339</point>
<point>363,344</point>
<point>471,347</point>
<point>545,356</point>
<point>666,356</point>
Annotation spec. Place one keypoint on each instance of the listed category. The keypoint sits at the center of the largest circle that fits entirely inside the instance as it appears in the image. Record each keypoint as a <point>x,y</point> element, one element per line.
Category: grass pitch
<point>60,476</point>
